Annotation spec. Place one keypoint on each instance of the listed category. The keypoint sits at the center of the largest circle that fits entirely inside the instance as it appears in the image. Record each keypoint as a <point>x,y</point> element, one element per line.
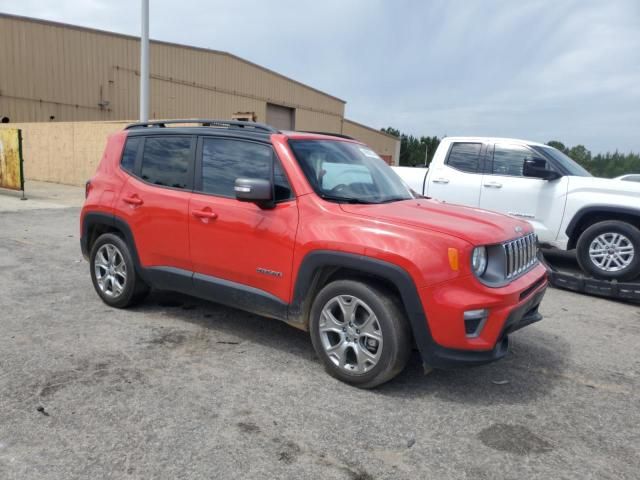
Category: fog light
<point>474,321</point>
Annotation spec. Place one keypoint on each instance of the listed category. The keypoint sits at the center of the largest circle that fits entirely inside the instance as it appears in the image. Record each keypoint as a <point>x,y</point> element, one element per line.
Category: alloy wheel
<point>110,270</point>
<point>611,252</point>
<point>350,334</point>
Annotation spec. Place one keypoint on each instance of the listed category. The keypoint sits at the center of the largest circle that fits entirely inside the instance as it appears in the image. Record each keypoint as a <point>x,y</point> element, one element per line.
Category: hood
<point>478,227</point>
<point>604,185</point>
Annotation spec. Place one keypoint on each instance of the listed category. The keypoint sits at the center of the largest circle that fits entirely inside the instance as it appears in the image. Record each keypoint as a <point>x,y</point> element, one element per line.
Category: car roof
<point>494,140</point>
<point>295,135</point>
<point>226,128</point>
<point>215,132</point>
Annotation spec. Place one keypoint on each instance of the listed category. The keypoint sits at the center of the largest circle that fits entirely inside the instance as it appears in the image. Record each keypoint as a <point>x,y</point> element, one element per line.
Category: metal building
<point>57,72</point>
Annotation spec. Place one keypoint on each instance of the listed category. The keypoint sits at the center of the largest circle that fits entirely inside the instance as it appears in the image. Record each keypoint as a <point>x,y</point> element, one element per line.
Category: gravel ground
<point>180,388</point>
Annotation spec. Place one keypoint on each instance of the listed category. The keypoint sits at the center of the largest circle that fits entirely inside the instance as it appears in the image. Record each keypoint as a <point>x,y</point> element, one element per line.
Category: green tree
<point>391,131</point>
<point>558,146</point>
<point>414,151</point>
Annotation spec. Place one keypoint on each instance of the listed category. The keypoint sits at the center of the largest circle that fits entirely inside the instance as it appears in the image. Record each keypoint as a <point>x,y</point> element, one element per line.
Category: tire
<point>114,277</point>
<point>610,250</point>
<point>384,333</point>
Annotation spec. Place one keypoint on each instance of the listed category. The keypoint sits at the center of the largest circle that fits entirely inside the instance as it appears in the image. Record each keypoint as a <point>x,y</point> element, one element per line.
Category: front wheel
<point>610,250</point>
<point>360,333</point>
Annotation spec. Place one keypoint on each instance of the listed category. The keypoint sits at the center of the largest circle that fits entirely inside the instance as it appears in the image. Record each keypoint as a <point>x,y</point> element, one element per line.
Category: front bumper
<point>509,308</point>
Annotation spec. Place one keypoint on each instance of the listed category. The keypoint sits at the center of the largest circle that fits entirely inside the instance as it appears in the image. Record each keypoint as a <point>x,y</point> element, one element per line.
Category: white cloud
<point>538,69</point>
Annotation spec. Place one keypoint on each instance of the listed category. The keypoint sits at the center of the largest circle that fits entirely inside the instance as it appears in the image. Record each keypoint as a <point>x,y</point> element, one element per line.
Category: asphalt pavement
<point>181,388</point>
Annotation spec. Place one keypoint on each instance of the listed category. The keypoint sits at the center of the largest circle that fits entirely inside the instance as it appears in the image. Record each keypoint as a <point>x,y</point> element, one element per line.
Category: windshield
<point>348,172</point>
<point>571,167</point>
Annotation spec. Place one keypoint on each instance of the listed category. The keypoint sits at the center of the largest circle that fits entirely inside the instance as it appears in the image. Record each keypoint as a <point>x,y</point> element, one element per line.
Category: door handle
<point>493,185</point>
<point>133,200</point>
<point>205,214</point>
<point>440,180</point>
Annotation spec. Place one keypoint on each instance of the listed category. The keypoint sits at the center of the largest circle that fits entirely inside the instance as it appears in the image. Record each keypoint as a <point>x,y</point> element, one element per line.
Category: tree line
<point>418,151</point>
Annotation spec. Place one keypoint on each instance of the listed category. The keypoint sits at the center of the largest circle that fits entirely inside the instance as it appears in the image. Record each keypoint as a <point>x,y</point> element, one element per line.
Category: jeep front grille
<point>521,254</point>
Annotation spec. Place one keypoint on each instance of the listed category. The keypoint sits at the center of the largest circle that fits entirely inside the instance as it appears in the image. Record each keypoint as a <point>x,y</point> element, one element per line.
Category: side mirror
<point>255,190</point>
<point>537,168</point>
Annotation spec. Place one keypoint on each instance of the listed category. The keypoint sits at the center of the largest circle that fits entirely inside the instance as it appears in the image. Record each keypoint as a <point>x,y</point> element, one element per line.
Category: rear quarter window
<point>130,153</point>
<point>465,157</point>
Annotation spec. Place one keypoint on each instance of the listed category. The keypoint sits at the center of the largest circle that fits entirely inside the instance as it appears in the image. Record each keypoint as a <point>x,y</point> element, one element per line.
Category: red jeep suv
<point>314,230</point>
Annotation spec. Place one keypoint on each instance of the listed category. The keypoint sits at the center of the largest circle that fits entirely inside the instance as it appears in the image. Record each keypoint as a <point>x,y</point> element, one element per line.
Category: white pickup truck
<point>567,206</point>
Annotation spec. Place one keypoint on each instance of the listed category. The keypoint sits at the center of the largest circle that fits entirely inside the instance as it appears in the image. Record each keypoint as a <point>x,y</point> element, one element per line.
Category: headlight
<point>479,261</point>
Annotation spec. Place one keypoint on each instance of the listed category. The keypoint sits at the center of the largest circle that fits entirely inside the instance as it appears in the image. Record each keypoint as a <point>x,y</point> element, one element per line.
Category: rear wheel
<point>360,333</point>
<point>113,272</point>
<point>610,250</point>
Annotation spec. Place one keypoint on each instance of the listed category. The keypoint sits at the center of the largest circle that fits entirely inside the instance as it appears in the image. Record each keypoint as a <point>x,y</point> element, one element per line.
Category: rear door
<point>458,178</point>
<point>506,190</point>
<point>239,241</point>
<point>155,200</point>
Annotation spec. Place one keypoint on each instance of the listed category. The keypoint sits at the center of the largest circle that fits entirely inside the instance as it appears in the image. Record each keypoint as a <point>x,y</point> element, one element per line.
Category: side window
<point>130,153</point>
<point>509,160</point>
<point>224,160</point>
<point>282,187</point>
<point>165,161</point>
<point>465,157</point>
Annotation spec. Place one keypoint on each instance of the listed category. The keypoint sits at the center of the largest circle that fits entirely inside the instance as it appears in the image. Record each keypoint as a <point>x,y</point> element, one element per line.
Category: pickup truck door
<point>506,190</point>
<point>457,177</point>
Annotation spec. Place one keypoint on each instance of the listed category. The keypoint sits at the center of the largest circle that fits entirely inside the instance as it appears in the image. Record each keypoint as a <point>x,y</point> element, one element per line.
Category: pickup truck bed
<point>565,273</point>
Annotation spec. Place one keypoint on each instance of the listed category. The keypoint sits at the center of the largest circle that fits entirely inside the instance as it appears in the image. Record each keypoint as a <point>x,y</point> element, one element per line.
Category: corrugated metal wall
<point>52,71</point>
<point>382,143</point>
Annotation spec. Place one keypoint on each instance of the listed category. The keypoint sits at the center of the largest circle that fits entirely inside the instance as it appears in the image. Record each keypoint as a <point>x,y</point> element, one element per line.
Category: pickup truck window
<point>337,173</point>
<point>348,172</point>
<point>569,166</point>
<point>509,160</point>
<point>465,157</point>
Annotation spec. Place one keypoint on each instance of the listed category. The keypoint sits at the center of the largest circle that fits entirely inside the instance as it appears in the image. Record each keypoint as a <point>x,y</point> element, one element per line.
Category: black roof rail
<point>339,135</point>
<point>261,127</point>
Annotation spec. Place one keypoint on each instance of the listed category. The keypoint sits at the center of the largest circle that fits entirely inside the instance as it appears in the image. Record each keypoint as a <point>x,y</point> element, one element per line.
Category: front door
<point>506,190</point>
<point>239,241</point>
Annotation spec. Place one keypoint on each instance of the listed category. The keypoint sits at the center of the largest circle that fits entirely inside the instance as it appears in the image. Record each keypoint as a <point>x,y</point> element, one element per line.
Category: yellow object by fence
<point>11,173</point>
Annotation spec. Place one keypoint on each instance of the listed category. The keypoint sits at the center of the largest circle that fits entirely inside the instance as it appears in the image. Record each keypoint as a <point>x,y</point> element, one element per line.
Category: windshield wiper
<point>335,198</point>
<point>394,199</point>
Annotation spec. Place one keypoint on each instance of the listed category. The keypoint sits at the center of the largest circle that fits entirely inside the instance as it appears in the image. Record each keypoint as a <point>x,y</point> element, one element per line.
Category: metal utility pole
<point>144,63</point>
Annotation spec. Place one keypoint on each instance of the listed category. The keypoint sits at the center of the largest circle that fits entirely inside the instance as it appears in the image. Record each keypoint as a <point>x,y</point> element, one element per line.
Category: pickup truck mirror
<point>537,168</point>
<point>255,190</point>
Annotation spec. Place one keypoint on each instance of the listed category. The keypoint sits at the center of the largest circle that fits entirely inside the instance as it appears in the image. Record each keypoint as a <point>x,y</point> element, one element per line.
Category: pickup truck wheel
<point>610,250</point>
<point>360,333</point>
<point>113,272</point>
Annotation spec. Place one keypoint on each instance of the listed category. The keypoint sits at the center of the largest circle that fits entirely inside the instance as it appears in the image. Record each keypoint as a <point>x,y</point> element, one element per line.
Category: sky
<point>536,69</point>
